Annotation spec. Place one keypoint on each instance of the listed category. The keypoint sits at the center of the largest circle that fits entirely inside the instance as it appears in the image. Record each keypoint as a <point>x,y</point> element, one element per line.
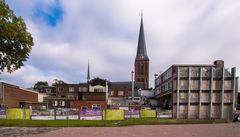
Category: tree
<point>39,85</point>
<point>15,41</point>
<point>98,81</point>
<point>56,81</point>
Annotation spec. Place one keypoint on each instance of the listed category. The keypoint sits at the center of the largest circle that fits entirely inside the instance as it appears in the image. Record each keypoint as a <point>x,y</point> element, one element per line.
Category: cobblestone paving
<point>21,131</point>
<point>200,130</point>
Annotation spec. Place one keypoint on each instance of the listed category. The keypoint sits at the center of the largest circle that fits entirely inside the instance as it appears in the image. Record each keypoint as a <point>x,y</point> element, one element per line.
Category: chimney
<point>219,64</point>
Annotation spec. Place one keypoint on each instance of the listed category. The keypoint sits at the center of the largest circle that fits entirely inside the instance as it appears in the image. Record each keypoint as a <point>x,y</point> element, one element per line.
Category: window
<point>82,89</point>
<point>55,103</point>
<point>71,89</point>
<point>111,93</point>
<point>71,96</point>
<point>48,90</point>
<point>96,107</point>
<point>60,89</point>
<point>98,90</point>
<point>62,103</point>
<point>84,108</point>
<point>136,98</point>
<point>120,93</point>
<point>142,69</point>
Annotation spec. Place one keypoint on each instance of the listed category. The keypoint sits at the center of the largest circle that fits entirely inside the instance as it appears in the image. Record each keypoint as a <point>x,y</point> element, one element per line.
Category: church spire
<point>88,73</point>
<point>141,49</point>
<point>142,60</point>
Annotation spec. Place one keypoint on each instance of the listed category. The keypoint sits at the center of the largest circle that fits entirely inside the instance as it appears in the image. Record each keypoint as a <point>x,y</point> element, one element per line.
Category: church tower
<point>142,60</point>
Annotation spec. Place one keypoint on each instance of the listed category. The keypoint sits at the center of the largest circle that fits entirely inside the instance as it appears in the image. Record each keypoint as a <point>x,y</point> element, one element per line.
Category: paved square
<point>199,130</point>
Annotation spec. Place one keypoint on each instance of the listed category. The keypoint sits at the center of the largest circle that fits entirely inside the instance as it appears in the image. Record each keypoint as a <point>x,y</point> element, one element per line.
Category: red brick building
<point>70,91</point>
<point>14,96</point>
<point>58,102</point>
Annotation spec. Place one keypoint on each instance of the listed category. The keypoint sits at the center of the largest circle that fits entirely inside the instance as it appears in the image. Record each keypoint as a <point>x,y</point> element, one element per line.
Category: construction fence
<point>77,114</point>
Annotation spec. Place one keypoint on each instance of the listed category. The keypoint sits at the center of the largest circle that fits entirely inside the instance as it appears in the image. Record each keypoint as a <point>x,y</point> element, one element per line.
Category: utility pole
<point>132,86</point>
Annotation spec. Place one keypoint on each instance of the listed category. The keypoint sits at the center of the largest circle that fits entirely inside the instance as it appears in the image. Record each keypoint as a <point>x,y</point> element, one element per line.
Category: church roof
<point>141,50</point>
<point>128,84</point>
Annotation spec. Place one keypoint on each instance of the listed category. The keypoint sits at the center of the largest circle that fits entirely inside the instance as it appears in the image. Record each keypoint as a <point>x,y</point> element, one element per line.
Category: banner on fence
<point>2,113</point>
<point>164,114</point>
<point>131,113</point>
<point>114,114</point>
<point>73,114</point>
<point>148,113</point>
<point>18,113</point>
<point>66,113</point>
<point>90,114</point>
<point>43,114</point>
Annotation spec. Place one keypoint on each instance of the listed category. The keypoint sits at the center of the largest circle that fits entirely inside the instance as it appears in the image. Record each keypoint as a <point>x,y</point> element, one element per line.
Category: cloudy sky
<point>68,33</point>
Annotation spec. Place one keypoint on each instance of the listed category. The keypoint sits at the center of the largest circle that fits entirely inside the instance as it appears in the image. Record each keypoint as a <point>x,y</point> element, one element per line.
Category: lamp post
<point>132,86</point>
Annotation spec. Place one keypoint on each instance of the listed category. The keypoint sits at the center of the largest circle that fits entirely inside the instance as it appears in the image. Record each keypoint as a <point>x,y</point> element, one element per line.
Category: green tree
<point>15,41</point>
<point>98,81</point>
<point>56,81</point>
<point>39,85</point>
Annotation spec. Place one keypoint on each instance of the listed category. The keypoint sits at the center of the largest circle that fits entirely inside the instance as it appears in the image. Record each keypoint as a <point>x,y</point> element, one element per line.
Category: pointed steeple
<point>141,50</point>
<point>88,73</point>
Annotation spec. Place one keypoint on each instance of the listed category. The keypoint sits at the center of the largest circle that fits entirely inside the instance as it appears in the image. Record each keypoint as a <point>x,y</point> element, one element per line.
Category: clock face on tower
<point>141,56</point>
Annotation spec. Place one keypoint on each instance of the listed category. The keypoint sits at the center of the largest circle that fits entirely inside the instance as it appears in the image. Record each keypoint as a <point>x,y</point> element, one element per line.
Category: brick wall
<point>13,95</point>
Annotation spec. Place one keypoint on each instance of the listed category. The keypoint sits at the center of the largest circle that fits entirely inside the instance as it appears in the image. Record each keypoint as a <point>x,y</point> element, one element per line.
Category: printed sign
<point>17,113</point>
<point>164,114</point>
<point>65,113</point>
<point>132,113</point>
<point>90,115</point>
<point>148,113</point>
<point>114,114</point>
<point>42,114</point>
<point>2,113</point>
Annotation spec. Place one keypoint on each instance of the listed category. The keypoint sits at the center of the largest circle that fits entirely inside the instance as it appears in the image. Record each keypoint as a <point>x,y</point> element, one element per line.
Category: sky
<point>68,33</point>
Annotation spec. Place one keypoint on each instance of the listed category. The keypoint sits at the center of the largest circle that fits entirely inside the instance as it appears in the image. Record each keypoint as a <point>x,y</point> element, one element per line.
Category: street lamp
<point>132,85</point>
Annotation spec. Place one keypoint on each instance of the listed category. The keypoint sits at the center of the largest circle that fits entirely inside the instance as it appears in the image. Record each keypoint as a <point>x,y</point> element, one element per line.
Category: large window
<point>62,103</point>
<point>120,93</point>
<point>60,89</point>
<point>142,69</point>
<point>84,108</point>
<point>98,90</point>
<point>82,89</point>
<point>111,93</point>
<point>55,103</point>
<point>71,96</point>
<point>71,89</point>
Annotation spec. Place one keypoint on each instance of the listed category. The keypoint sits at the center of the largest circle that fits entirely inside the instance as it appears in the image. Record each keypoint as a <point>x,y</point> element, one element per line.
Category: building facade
<point>88,105</point>
<point>12,96</point>
<point>71,91</point>
<point>58,102</point>
<point>120,93</point>
<point>198,91</point>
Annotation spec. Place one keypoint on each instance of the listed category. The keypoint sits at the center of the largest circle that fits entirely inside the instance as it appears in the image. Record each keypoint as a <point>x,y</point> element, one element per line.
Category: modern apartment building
<point>198,91</point>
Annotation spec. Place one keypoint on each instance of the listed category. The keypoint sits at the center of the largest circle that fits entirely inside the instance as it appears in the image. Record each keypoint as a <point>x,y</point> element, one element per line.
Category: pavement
<point>21,131</point>
<point>196,130</point>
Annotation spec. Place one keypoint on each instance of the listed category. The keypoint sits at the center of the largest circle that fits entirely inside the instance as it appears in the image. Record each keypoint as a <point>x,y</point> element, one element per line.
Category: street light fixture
<point>132,85</point>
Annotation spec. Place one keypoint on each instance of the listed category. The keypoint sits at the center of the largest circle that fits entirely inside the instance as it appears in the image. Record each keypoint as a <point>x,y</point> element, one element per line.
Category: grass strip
<point>102,123</point>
